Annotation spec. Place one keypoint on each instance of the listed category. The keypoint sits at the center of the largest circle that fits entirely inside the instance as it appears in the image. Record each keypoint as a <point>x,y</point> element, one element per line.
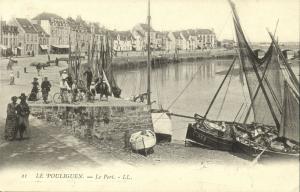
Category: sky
<point>170,15</point>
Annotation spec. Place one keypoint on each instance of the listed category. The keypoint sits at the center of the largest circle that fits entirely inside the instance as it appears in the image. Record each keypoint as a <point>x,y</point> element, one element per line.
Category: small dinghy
<point>143,141</point>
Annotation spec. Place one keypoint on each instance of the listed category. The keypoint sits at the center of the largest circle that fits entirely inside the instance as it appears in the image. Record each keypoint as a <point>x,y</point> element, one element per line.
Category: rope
<point>223,101</point>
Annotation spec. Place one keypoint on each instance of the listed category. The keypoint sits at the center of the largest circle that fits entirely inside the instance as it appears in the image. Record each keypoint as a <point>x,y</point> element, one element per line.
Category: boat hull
<point>254,151</point>
<point>202,137</point>
<point>162,126</point>
<point>140,141</point>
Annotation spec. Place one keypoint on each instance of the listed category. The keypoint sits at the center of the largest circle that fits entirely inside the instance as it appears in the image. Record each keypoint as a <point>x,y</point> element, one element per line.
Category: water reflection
<point>168,81</point>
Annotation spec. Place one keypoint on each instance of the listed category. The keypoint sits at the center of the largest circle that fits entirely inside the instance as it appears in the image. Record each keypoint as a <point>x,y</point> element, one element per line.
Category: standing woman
<point>23,115</point>
<point>11,120</point>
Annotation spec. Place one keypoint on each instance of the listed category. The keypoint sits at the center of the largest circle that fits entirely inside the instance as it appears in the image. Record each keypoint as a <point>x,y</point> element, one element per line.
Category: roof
<point>125,35</point>
<point>40,30</point>
<point>78,25</point>
<point>46,16</point>
<point>26,25</point>
<point>195,32</point>
<point>9,29</point>
<point>185,34</point>
<point>177,34</point>
<point>140,34</point>
<point>145,27</point>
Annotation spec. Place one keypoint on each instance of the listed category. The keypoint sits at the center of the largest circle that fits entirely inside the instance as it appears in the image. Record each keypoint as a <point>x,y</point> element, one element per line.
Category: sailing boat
<point>274,94</point>
<point>160,119</point>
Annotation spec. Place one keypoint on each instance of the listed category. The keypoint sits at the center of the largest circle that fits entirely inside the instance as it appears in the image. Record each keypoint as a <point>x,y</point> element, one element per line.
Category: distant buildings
<point>50,33</point>
<point>8,39</point>
<point>27,38</point>
<point>57,28</point>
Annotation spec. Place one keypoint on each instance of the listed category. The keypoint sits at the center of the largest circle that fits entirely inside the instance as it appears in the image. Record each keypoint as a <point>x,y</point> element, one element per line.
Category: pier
<point>111,121</point>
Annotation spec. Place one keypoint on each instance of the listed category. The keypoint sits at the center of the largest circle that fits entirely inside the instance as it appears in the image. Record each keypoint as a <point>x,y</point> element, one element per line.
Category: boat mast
<point>221,85</point>
<point>148,58</point>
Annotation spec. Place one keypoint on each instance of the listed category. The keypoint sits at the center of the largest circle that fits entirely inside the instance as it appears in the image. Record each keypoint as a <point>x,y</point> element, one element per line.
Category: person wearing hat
<point>64,75</point>
<point>46,86</point>
<point>64,88</point>
<point>22,116</point>
<point>11,119</point>
<point>34,90</point>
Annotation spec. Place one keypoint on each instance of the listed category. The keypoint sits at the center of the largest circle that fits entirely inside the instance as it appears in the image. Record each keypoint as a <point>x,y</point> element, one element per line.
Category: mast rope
<point>223,101</point>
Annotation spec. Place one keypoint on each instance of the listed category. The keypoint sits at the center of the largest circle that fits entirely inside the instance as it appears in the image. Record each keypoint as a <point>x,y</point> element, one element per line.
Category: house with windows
<point>177,40</point>
<point>43,39</point>
<point>27,37</point>
<point>57,28</point>
<point>140,33</point>
<point>8,40</point>
<point>80,34</point>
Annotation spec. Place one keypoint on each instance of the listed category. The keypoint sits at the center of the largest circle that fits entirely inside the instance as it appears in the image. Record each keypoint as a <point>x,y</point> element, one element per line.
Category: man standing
<point>11,78</point>
<point>22,115</point>
<point>89,77</point>
<point>46,86</point>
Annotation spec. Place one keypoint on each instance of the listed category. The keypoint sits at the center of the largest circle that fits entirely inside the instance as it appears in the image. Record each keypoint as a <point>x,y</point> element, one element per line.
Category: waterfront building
<point>57,28</point>
<point>126,40</point>
<point>176,40</point>
<point>140,33</point>
<point>8,39</point>
<point>80,34</point>
<point>97,33</point>
<point>192,39</point>
<point>27,37</point>
<point>43,39</point>
<point>205,38</point>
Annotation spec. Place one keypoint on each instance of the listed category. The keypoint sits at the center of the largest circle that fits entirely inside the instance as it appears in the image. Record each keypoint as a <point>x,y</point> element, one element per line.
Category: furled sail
<point>263,76</point>
<point>289,126</point>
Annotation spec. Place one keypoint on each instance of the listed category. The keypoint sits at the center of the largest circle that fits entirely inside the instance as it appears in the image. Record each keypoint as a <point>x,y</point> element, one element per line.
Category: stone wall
<point>105,124</point>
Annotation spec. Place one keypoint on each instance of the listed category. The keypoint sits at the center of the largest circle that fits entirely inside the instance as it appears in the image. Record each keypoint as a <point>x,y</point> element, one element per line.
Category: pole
<point>216,94</point>
<point>149,59</point>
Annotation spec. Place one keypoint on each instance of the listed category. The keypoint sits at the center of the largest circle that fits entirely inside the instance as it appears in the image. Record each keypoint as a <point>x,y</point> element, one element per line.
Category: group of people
<point>98,86</point>
<point>45,86</point>
<point>17,118</point>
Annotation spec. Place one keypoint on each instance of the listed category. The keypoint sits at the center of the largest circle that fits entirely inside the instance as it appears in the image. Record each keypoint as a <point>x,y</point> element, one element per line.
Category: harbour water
<point>188,88</point>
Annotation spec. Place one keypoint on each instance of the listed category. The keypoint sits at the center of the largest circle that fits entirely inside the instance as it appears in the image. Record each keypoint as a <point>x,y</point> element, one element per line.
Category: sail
<point>289,126</point>
<point>263,76</point>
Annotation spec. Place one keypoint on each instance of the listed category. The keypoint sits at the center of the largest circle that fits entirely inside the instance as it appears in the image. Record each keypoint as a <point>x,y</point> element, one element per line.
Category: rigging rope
<point>223,101</point>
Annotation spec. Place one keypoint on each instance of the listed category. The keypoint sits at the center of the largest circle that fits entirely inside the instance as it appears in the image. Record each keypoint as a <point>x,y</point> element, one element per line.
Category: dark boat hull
<point>202,137</point>
<point>161,138</point>
<point>268,153</point>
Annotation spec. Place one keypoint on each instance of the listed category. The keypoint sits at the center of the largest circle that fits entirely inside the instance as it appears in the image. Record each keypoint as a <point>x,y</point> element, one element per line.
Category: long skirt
<point>10,127</point>
<point>23,126</point>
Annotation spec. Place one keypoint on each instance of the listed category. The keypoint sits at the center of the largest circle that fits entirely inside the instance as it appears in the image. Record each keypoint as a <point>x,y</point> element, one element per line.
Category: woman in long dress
<point>11,120</point>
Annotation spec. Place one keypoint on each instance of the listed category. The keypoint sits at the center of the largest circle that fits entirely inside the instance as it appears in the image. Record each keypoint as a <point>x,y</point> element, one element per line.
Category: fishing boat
<point>143,141</point>
<point>274,94</point>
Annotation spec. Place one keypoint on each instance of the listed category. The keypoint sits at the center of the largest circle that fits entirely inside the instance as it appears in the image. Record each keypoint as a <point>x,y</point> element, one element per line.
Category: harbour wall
<point>111,125</point>
<point>129,60</point>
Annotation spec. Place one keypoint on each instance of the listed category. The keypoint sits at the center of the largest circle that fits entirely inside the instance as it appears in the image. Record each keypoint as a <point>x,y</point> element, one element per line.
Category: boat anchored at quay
<point>274,94</point>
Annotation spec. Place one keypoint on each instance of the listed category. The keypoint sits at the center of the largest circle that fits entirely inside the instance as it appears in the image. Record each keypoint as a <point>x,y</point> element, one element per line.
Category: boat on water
<point>274,94</point>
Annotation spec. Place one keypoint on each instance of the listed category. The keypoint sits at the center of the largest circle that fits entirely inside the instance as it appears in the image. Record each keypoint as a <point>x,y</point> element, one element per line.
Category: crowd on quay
<point>70,91</point>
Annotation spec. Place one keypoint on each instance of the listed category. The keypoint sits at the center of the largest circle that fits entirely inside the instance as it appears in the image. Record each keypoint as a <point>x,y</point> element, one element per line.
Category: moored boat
<point>210,135</point>
<point>142,141</point>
